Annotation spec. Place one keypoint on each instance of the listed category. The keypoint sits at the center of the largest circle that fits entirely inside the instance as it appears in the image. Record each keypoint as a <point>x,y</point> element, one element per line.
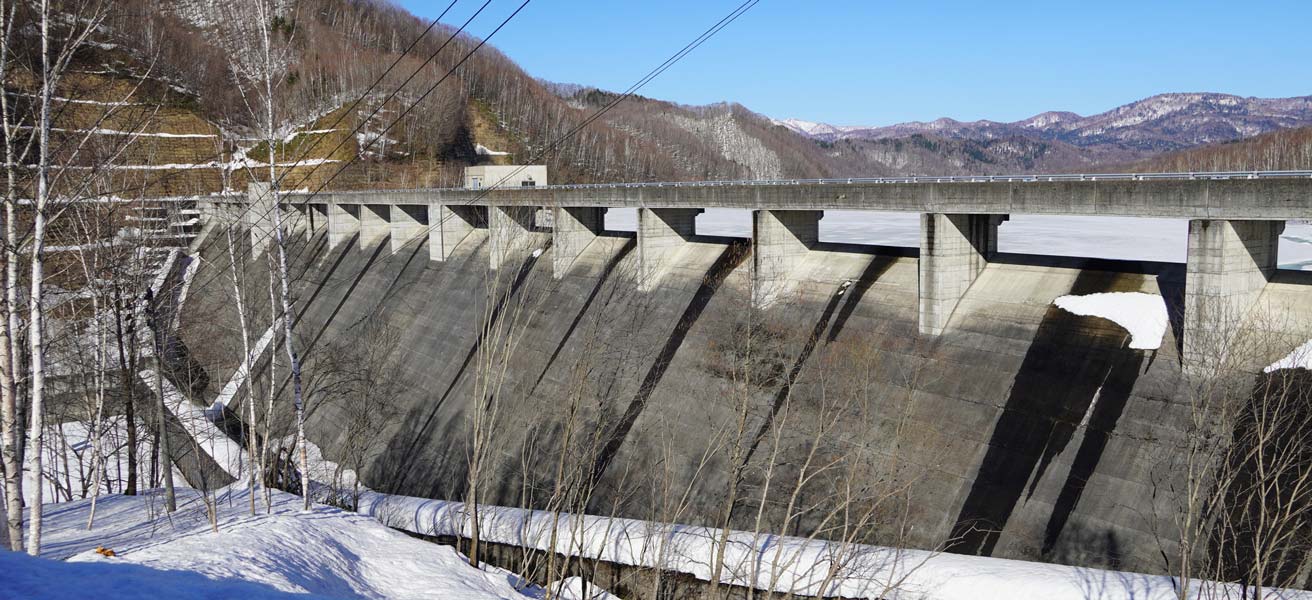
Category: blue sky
<point>881,62</point>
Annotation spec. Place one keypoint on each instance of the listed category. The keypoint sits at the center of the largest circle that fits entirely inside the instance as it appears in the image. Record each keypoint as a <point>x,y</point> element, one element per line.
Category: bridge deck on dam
<point>1235,224</point>
<point>1188,196</point>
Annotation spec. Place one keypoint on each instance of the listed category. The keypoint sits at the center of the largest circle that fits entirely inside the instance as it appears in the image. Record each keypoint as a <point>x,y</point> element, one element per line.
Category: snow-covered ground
<point>68,462</point>
<point>325,552</point>
<point>1121,238</point>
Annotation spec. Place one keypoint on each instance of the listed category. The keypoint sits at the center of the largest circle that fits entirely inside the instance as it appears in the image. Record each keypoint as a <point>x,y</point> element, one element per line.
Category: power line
<point>452,70</point>
<point>633,89</point>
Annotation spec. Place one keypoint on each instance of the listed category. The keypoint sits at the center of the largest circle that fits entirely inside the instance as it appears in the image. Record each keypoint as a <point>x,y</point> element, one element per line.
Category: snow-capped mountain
<point>1160,123</point>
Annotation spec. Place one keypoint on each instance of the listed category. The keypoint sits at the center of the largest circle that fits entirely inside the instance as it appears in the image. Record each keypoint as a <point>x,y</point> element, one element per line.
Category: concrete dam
<point>776,382</point>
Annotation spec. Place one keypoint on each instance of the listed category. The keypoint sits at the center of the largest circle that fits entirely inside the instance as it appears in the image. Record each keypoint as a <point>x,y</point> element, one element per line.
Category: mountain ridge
<point>1160,123</point>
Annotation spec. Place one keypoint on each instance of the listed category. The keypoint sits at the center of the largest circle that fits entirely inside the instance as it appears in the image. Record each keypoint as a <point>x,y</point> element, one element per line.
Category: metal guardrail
<point>916,179</point>
<point>1217,175</point>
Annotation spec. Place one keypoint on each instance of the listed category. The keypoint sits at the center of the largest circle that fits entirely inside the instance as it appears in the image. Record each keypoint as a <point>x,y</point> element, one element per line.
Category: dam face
<point>1020,431</point>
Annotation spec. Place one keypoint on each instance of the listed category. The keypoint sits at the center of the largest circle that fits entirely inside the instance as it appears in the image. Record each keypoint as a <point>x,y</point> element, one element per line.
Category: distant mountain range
<point>1161,123</point>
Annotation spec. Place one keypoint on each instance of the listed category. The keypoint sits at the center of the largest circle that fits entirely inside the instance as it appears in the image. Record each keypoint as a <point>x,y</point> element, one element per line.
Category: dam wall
<point>669,390</point>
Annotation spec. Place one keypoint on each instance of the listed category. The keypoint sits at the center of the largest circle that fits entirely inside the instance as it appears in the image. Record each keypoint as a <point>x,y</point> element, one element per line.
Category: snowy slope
<point>28,577</point>
<point>326,552</point>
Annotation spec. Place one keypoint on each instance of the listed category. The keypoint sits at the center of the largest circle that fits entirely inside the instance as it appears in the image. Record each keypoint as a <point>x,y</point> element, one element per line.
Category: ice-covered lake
<point>1124,238</point>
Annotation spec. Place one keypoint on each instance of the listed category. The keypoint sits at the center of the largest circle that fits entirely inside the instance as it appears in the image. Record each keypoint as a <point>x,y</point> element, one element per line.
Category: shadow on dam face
<point>848,296</point>
<point>1071,381</point>
<point>734,254</point>
<point>606,272</point>
<point>404,463</point>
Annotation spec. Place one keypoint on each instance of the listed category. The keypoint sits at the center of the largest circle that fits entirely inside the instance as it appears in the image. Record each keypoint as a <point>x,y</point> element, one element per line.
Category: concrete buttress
<point>454,224</point>
<point>374,224</point>
<point>662,232</point>
<point>407,222</point>
<point>1228,266</point>
<point>572,230</point>
<point>508,230</point>
<point>781,239</point>
<point>954,249</point>
<point>343,222</point>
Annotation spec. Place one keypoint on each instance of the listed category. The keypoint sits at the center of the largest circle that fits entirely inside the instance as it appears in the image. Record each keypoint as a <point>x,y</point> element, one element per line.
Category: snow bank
<point>325,552</point>
<point>227,453</point>
<point>69,467</point>
<point>238,378</point>
<point>28,577</point>
<point>784,564</point>
<point>1300,358</point>
<point>1143,315</point>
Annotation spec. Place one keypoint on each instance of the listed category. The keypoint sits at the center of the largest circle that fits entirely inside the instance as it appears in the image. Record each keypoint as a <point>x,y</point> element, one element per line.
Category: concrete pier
<point>258,216</point>
<point>1228,266</point>
<point>374,225</point>
<point>572,230</point>
<point>454,224</point>
<point>301,220</point>
<point>954,249</point>
<point>343,222</point>
<point>780,240</point>
<point>508,231</point>
<point>662,232</point>
<point>318,214</point>
<point>407,221</point>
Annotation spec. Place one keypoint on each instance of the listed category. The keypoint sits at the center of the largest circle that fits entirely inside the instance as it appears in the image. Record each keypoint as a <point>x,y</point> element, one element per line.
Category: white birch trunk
<point>283,277</point>
<point>10,428</point>
<point>273,379</point>
<point>36,430</point>
<point>98,459</point>
<point>246,365</point>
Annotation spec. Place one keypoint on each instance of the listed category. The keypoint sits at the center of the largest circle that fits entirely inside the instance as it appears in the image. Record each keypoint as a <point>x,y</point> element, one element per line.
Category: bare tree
<point>265,34</point>
<point>53,64</point>
<point>12,433</point>
<point>1237,489</point>
<point>359,379</point>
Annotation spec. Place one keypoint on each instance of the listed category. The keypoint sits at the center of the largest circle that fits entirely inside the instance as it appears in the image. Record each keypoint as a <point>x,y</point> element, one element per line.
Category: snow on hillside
<point>326,552</point>
<point>69,465</point>
<point>734,144</point>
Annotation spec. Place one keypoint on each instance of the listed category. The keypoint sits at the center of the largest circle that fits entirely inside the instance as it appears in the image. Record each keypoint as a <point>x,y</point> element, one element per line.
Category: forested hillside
<point>1287,149</point>
<point>367,109</point>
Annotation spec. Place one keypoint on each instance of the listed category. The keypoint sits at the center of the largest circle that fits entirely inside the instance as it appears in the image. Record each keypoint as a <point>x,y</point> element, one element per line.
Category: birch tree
<point>55,57</point>
<point>11,431</point>
<point>266,33</point>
